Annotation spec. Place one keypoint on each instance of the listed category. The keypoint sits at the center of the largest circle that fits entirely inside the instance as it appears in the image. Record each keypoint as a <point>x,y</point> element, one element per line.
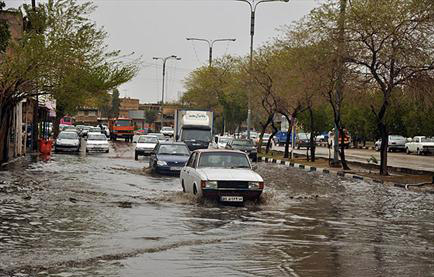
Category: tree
<point>63,55</point>
<point>115,103</point>
<point>151,116</point>
<point>391,46</point>
<point>4,31</point>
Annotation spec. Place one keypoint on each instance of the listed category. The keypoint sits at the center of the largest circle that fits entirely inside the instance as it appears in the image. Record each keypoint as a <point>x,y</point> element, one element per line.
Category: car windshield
<point>148,140</point>
<point>427,140</point>
<point>224,159</point>
<point>68,135</point>
<point>396,138</point>
<point>303,136</point>
<point>266,136</point>
<point>158,135</point>
<point>96,130</point>
<point>122,123</point>
<point>201,135</point>
<point>173,149</point>
<point>167,129</point>
<point>97,137</point>
<point>242,143</point>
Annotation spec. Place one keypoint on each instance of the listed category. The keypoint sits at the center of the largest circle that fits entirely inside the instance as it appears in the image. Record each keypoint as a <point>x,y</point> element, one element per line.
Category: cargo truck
<point>121,128</point>
<point>194,128</point>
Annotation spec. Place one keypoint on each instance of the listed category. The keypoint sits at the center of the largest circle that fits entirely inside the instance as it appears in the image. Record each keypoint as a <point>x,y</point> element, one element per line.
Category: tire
<point>377,148</point>
<point>418,152</point>
<point>255,159</point>
<point>407,151</point>
<point>194,189</point>
<point>136,156</point>
<point>183,187</point>
<point>107,151</point>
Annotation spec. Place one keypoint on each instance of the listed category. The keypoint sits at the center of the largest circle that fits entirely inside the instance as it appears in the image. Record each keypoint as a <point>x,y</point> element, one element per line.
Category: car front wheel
<point>136,156</point>
<point>407,151</point>
<point>194,189</point>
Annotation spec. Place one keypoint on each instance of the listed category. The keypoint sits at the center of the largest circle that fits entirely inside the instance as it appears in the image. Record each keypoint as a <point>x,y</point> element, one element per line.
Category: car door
<point>185,173</point>
<point>194,175</point>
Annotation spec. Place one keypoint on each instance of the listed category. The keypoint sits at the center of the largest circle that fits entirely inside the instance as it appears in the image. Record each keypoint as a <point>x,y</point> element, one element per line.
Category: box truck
<point>194,128</point>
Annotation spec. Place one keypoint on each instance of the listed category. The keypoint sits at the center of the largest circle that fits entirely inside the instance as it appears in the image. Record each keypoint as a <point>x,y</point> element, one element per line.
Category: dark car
<point>302,140</point>
<point>169,157</point>
<point>245,145</point>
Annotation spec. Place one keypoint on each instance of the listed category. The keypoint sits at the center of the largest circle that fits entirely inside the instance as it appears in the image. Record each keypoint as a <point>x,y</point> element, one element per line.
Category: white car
<point>160,136</point>
<point>167,131</point>
<point>97,143</point>
<point>420,145</point>
<point>223,175</point>
<point>145,145</point>
<point>67,142</point>
<point>220,142</point>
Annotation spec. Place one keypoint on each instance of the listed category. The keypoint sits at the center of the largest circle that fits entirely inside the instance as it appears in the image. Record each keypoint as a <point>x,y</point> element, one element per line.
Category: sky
<point>159,28</point>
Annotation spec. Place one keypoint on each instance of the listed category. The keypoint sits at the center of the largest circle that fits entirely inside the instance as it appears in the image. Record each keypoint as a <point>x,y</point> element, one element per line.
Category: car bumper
<point>397,147</point>
<point>144,152</point>
<point>216,194</point>
<point>168,170</point>
<point>97,149</point>
<point>62,148</point>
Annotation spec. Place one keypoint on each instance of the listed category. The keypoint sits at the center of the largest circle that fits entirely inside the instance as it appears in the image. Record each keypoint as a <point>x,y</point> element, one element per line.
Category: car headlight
<point>256,185</point>
<point>211,184</point>
<point>161,163</point>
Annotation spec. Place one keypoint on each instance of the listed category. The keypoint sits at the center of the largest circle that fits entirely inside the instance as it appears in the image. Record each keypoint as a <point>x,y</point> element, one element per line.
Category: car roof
<point>172,143</point>
<point>217,151</point>
<point>68,132</point>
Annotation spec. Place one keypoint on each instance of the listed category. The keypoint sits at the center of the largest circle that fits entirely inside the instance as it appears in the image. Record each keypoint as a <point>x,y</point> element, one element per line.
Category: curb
<point>329,172</point>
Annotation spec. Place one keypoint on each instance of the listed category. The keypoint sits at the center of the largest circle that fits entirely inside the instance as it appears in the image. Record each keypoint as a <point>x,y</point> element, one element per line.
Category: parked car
<point>420,145</point>
<point>265,139</point>
<point>220,142</point>
<point>97,143</point>
<point>169,157</point>
<point>67,141</point>
<point>245,145</point>
<point>302,140</point>
<point>395,143</point>
<point>223,175</point>
<point>145,145</point>
<point>167,131</point>
<point>323,137</point>
<point>71,128</point>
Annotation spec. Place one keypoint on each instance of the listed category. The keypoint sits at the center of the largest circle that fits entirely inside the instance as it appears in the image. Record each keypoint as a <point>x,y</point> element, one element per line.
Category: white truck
<point>194,128</point>
<point>420,145</point>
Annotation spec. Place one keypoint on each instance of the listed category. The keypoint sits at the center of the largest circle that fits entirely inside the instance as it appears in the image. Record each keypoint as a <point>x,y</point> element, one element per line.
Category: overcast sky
<point>158,28</point>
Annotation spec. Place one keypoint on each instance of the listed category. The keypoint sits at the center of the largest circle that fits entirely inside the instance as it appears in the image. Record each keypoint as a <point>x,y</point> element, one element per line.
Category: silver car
<point>396,143</point>
<point>67,142</point>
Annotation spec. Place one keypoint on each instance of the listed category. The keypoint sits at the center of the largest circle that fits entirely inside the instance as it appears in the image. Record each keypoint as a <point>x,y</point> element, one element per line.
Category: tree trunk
<point>264,127</point>
<point>383,149</point>
<point>342,150</point>
<point>286,154</point>
<point>5,125</point>
<point>312,142</point>
<point>275,130</point>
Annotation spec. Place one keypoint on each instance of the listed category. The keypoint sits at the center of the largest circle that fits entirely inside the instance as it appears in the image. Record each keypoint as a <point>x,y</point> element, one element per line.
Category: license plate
<point>175,168</point>
<point>231,198</point>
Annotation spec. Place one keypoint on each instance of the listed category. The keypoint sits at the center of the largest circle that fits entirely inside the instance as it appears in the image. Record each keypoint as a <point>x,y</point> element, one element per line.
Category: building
<point>87,116</point>
<point>126,105</point>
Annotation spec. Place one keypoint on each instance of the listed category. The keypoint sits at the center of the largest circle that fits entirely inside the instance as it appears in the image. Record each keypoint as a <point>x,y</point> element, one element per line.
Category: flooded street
<point>104,215</point>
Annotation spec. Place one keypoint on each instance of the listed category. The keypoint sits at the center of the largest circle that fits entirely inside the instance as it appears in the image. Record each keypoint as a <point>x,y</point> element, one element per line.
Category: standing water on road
<point>103,215</point>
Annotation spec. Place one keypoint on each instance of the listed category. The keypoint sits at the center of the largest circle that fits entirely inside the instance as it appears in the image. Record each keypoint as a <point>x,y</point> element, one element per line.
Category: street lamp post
<point>211,44</point>
<point>253,5</point>
<point>164,59</point>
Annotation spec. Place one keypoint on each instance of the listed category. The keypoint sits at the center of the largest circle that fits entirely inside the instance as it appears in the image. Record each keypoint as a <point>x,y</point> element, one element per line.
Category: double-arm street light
<point>253,5</point>
<point>164,59</point>
<point>211,44</point>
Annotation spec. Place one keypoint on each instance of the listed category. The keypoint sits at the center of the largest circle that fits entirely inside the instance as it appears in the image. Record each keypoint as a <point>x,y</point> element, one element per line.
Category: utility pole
<point>164,59</point>
<point>211,44</point>
<point>35,131</point>
<point>253,5</point>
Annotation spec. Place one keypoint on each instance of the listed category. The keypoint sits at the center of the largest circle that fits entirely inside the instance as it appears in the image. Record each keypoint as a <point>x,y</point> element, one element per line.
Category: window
<point>224,159</point>
<point>191,160</point>
<point>195,160</point>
